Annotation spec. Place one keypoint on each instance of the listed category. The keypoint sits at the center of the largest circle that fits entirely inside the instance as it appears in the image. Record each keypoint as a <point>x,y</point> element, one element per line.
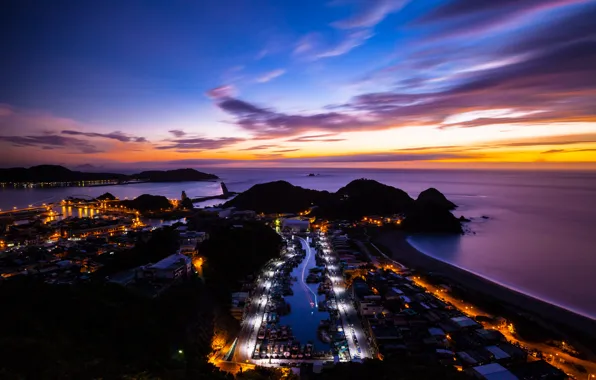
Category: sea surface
<point>539,238</point>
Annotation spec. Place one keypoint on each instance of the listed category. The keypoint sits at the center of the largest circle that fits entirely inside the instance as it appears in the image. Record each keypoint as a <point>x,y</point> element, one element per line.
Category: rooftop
<point>494,371</point>
<point>464,321</point>
<point>171,262</point>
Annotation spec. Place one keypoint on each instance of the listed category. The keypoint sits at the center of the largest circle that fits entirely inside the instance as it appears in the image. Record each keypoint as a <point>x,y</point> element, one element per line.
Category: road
<point>347,311</point>
<point>247,337</point>
<point>556,356</point>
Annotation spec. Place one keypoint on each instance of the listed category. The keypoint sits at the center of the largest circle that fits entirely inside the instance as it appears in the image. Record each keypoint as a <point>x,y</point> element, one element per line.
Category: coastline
<point>566,321</point>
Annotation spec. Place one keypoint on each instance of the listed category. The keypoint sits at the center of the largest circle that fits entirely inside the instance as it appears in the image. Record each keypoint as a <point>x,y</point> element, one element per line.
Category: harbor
<point>294,312</point>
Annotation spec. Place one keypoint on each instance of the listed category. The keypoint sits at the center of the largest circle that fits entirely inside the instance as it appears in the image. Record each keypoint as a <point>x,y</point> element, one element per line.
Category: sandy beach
<point>575,326</point>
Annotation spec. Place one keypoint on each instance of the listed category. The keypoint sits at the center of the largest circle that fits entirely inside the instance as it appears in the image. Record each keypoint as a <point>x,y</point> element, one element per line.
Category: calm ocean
<point>540,237</point>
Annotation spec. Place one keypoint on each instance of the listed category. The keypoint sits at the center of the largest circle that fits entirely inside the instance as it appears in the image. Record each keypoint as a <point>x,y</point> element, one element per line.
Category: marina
<point>294,313</point>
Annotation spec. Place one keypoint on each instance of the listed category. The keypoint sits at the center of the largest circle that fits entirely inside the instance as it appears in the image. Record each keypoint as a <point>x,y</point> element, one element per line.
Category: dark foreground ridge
<point>360,198</point>
<point>57,173</point>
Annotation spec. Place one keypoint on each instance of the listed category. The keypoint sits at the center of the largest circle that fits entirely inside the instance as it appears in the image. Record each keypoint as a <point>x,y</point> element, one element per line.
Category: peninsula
<point>56,176</point>
<point>358,199</point>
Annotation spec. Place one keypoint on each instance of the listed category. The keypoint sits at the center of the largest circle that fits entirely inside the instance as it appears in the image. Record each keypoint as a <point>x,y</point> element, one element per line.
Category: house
<point>492,371</point>
<point>370,308</point>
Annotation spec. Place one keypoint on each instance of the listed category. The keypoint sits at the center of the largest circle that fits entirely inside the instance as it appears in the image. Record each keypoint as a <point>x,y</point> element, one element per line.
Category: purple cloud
<point>381,157</point>
<point>321,137</point>
<point>261,147</point>
<point>198,144</point>
<point>117,135</point>
<point>50,141</point>
<point>177,132</point>
<point>476,17</point>
<point>533,89</point>
<point>286,150</point>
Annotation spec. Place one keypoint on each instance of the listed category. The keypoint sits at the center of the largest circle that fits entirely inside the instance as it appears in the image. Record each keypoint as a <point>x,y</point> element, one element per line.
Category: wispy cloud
<point>270,75</point>
<point>568,151</point>
<point>220,92</point>
<point>51,141</point>
<point>117,135</point>
<point>350,42</point>
<point>261,147</point>
<point>306,44</point>
<point>371,13</point>
<point>320,137</point>
<point>199,144</point>
<point>286,150</point>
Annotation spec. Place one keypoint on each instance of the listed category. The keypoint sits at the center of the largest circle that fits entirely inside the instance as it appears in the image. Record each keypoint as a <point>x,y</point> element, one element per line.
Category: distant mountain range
<point>56,173</point>
<point>430,212</point>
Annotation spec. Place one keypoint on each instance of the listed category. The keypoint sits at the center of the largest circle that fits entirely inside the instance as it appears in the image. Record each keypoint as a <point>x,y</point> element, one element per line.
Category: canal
<point>305,317</point>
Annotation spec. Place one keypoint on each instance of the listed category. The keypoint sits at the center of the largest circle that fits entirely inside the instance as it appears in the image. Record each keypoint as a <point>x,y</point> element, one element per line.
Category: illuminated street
<point>554,355</point>
<point>357,340</point>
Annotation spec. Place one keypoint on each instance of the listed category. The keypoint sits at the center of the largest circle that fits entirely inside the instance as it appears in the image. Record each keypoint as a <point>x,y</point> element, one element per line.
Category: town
<point>329,296</point>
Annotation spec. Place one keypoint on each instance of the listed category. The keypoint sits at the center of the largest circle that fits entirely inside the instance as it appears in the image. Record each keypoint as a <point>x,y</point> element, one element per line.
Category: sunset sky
<point>301,83</point>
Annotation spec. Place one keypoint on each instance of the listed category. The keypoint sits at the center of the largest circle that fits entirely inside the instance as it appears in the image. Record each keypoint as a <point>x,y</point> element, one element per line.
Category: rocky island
<point>178,175</point>
<point>430,212</point>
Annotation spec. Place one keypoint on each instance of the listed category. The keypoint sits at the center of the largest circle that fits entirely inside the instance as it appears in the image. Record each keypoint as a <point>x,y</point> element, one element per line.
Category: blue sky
<point>107,81</point>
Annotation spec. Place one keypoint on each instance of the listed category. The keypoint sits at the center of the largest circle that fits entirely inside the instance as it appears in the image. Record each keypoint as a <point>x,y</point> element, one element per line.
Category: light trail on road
<point>316,303</point>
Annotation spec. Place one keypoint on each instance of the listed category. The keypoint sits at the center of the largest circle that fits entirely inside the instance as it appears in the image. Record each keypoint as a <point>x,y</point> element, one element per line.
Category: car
<point>359,350</point>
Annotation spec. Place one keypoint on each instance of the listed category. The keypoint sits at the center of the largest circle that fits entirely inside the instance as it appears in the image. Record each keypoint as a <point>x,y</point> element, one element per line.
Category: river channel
<point>304,317</point>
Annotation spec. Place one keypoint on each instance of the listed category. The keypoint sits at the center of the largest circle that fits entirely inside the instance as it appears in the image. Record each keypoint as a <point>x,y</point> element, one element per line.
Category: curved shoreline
<point>510,287</point>
<point>574,324</point>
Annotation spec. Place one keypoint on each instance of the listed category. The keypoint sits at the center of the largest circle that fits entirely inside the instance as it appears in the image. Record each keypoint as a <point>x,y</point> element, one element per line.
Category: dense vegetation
<point>147,202</point>
<point>278,197</point>
<point>161,243</point>
<point>427,217</point>
<point>100,330</point>
<point>436,198</point>
<point>362,197</point>
<point>232,253</point>
<point>106,197</point>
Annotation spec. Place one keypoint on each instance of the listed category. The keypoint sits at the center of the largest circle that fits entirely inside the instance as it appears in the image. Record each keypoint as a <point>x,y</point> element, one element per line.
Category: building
<point>189,240</point>
<point>370,308</point>
<point>492,371</point>
<point>465,323</point>
<point>173,267</point>
<point>295,225</point>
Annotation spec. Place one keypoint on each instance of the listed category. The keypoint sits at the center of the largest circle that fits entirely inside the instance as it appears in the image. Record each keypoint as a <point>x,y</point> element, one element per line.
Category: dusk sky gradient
<point>338,83</point>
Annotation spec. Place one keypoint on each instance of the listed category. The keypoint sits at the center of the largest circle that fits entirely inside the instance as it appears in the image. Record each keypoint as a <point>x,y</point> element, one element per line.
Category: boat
<point>324,336</point>
<point>294,351</point>
<point>308,350</point>
<point>301,352</point>
<point>261,334</point>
